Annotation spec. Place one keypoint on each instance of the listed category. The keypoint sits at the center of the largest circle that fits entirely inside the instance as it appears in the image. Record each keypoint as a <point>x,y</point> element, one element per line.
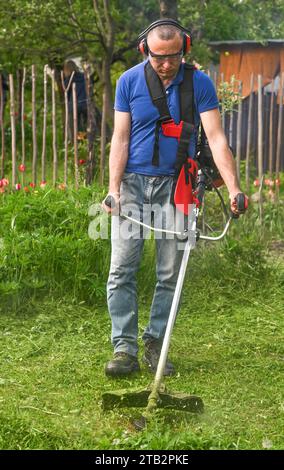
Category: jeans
<point>137,192</point>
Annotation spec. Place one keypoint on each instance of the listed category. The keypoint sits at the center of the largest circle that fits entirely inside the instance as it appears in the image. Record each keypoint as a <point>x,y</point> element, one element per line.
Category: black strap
<point>186,96</point>
<point>157,92</point>
<point>159,99</point>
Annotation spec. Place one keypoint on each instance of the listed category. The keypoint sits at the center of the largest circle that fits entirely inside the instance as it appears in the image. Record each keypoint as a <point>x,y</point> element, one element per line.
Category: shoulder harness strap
<point>159,99</point>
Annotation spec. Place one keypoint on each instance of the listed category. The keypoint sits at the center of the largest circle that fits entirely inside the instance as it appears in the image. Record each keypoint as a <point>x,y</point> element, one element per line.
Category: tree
<point>168,9</point>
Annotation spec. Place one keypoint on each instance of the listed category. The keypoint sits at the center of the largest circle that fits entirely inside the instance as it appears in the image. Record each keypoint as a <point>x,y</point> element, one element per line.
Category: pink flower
<point>277,181</point>
<point>256,183</point>
<point>32,185</point>
<point>26,189</point>
<point>5,182</point>
<point>1,183</point>
<point>22,168</point>
<point>62,186</point>
<point>42,184</point>
<point>17,186</point>
<point>82,161</point>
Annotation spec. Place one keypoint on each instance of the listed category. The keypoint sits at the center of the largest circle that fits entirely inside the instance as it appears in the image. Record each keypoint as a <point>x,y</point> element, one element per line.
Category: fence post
<point>75,135</point>
<point>239,132</point>
<point>23,120</point>
<point>66,89</point>
<point>260,145</point>
<point>2,128</point>
<point>260,129</point>
<point>279,134</point>
<point>44,125</point>
<point>271,130</point>
<point>54,143</point>
<point>13,128</point>
<point>34,177</point>
<point>249,134</point>
<point>279,131</point>
<point>91,127</point>
<point>223,113</point>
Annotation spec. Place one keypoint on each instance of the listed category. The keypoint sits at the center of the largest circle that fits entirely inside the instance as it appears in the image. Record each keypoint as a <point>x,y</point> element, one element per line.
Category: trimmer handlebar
<point>240,203</point>
<point>110,202</point>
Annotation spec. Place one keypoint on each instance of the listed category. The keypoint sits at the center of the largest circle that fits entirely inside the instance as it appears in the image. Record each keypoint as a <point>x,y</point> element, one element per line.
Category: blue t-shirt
<point>132,96</point>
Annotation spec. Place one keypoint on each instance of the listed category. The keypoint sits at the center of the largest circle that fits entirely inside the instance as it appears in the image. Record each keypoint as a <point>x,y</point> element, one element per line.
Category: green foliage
<point>25,27</point>
<point>218,20</point>
<point>229,94</point>
<point>45,245</point>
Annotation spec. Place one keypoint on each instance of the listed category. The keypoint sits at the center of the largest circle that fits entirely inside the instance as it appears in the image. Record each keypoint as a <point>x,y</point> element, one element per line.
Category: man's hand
<point>239,203</point>
<point>111,203</point>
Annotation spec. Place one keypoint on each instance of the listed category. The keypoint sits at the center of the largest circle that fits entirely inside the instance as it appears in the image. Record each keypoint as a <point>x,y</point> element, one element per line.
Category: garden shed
<point>246,61</point>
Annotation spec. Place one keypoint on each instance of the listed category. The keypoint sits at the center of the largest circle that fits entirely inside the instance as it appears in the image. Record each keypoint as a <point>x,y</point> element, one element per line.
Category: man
<point>136,180</point>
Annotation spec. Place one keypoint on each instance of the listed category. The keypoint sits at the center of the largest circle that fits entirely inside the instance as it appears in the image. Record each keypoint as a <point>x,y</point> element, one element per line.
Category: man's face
<point>166,67</point>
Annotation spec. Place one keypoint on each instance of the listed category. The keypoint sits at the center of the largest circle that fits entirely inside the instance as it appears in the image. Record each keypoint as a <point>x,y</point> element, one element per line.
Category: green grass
<point>227,344</point>
<point>227,347</point>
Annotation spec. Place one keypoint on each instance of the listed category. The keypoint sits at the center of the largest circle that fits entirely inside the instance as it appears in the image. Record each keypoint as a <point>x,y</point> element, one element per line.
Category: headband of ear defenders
<point>162,22</point>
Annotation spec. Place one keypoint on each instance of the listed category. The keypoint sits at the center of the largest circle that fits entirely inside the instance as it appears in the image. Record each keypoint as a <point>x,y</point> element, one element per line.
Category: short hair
<point>166,32</point>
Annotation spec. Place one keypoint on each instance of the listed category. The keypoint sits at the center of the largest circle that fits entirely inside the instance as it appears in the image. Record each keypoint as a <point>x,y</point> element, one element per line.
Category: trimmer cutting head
<point>139,399</point>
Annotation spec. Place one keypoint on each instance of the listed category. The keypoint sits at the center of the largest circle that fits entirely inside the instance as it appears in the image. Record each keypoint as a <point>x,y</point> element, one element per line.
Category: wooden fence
<point>14,162</point>
<point>254,129</point>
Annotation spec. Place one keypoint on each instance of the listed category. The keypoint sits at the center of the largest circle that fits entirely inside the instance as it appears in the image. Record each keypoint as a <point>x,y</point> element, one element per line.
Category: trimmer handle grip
<point>110,202</point>
<point>241,204</point>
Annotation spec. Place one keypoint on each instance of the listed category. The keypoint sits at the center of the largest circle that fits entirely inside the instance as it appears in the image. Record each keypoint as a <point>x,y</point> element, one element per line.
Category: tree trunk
<point>168,9</point>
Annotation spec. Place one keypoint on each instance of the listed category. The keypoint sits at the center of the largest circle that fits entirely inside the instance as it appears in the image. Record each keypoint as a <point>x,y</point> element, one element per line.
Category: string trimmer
<point>157,396</point>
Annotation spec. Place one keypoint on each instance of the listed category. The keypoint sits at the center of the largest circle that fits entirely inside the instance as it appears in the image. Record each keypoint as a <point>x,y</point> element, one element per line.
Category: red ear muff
<point>186,43</point>
<point>143,47</point>
<point>142,38</point>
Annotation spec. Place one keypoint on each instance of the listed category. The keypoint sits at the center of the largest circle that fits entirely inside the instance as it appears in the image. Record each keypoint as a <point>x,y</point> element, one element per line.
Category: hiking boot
<point>122,364</point>
<point>152,356</point>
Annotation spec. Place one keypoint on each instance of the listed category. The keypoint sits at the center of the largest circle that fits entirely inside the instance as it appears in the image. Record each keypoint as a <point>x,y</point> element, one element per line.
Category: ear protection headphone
<point>142,38</point>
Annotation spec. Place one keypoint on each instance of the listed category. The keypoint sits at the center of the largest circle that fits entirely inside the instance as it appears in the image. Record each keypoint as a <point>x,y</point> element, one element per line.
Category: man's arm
<point>118,153</point>
<point>221,152</point>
